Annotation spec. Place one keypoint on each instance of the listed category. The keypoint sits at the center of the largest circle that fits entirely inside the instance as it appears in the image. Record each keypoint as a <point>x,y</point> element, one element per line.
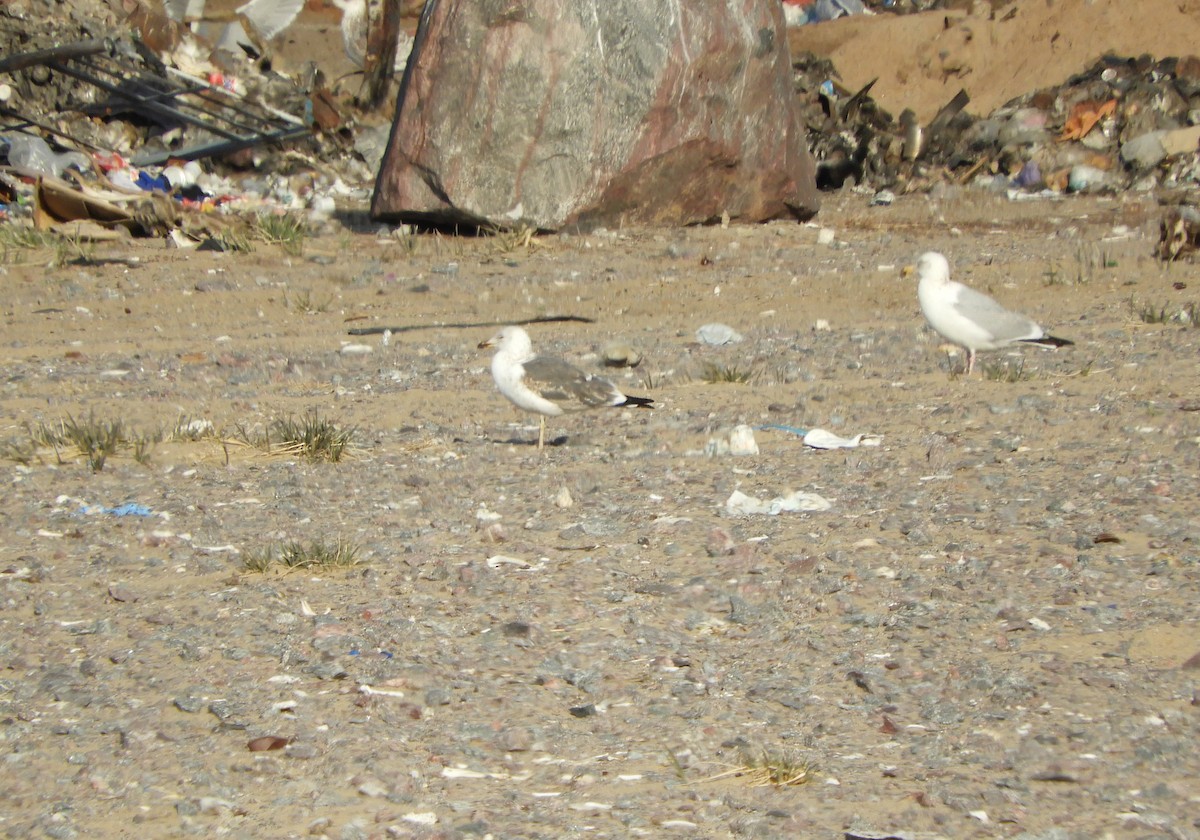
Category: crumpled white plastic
<point>742,505</point>
<point>718,334</point>
<point>824,439</point>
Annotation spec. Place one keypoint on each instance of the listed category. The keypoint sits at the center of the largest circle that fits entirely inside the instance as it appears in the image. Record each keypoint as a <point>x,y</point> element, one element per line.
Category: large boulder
<point>560,114</point>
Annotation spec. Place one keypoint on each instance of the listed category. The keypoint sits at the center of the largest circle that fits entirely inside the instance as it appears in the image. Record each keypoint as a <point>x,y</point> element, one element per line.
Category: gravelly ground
<point>950,645</point>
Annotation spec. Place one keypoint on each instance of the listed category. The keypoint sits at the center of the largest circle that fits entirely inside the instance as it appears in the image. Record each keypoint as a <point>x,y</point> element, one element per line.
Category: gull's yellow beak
<point>908,271</point>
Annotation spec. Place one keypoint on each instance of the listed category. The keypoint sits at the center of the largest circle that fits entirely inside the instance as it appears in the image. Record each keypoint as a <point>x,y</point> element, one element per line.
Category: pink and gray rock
<point>565,114</point>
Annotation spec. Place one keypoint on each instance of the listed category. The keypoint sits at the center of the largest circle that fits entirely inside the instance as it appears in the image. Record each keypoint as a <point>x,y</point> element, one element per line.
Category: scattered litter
<point>498,560</point>
<point>467,773</point>
<point>1122,122</point>
<point>717,334</point>
<point>739,504</point>
<point>127,509</point>
<point>823,439</point>
<point>739,441</point>
<point>421,818</point>
<point>378,692</point>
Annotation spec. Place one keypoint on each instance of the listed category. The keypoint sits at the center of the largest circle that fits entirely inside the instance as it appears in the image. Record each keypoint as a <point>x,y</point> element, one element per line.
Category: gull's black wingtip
<point>1050,341</point>
<point>637,402</point>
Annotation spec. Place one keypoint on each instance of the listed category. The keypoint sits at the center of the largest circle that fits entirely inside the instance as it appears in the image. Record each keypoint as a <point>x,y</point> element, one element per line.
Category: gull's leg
<point>541,431</point>
<point>970,361</point>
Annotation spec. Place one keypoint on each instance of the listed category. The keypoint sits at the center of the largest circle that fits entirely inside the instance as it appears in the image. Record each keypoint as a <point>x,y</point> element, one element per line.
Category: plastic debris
<point>740,504</point>
<point>717,334</point>
<point>822,439</point>
<point>1123,122</point>
<point>127,509</point>
<point>32,154</point>
<point>739,441</point>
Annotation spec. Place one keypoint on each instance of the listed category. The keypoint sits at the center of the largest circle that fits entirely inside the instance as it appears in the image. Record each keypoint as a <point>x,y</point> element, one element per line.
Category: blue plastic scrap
<point>127,509</point>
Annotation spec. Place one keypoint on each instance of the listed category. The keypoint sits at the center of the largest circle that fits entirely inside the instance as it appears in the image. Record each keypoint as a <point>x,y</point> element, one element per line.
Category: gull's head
<point>930,266</point>
<point>511,340</point>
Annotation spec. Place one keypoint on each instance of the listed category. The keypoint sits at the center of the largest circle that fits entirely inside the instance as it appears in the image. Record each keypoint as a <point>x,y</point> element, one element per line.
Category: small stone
<point>621,354</point>
<point>300,751</point>
<point>516,739</point>
<point>189,704</point>
<point>370,786</point>
<point>720,543</point>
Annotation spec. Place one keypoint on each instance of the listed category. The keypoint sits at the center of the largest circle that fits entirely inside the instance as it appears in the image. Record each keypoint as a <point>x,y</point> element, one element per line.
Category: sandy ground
<point>986,634</point>
<point>995,51</point>
<point>991,631</point>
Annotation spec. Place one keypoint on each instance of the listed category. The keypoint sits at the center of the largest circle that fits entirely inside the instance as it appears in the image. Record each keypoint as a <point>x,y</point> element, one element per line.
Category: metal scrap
<point>128,83</point>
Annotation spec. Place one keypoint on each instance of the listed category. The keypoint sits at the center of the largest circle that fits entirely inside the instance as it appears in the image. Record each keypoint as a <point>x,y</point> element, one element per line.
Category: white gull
<point>969,318</point>
<point>548,386</point>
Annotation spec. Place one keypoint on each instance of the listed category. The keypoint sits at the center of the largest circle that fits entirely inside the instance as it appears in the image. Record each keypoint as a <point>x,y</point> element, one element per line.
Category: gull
<point>969,318</point>
<point>548,386</point>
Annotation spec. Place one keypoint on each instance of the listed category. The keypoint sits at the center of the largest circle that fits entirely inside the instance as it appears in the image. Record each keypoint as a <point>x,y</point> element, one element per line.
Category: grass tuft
<point>508,240</point>
<point>285,230</point>
<point>714,373</point>
<point>95,439</point>
<point>308,556</point>
<point>1008,370</point>
<point>304,302</point>
<point>311,437</point>
<point>775,769</point>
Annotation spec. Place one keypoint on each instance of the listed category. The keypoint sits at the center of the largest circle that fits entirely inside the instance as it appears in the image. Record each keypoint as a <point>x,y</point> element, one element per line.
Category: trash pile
<point>1126,123</point>
<point>105,116</point>
<point>105,110</point>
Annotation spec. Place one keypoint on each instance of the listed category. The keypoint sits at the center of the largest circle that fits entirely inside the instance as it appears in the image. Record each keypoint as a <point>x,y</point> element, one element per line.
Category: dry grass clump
<point>95,439</point>
<point>317,554</point>
<point>776,769</point>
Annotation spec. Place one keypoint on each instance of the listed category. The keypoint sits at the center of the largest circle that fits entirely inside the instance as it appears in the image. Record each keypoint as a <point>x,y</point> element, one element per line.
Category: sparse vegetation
<point>1007,370</point>
<point>512,239</point>
<point>73,249</point>
<point>311,437</point>
<point>14,238</point>
<point>285,230</point>
<point>1088,259</point>
<point>1167,313</point>
<point>714,373</point>
<point>94,439</point>
<point>19,450</point>
<point>67,248</point>
<point>339,554</point>
<point>234,240</point>
<point>304,302</point>
<point>768,768</point>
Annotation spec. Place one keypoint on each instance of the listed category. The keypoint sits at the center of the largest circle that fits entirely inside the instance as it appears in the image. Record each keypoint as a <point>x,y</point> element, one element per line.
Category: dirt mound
<point>995,53</point>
